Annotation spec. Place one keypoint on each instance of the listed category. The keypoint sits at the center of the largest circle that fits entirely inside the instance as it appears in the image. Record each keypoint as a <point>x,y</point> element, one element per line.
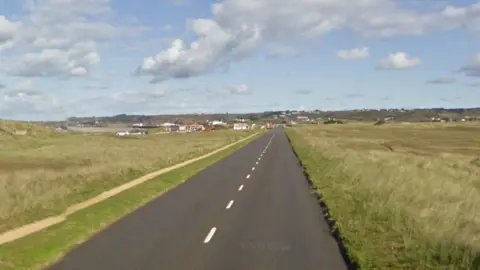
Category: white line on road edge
<point>229,204</point>
<point>210,235</point>
<point>248,176</point>
<point>240,188</point>
<point>253,169</point>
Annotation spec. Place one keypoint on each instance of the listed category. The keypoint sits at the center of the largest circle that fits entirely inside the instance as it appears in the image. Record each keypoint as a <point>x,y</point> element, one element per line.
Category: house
<point>217,123</point>
<point>182,128</point>
<point>240,126</point>
<point>172,128</point>
<point>195,128</point>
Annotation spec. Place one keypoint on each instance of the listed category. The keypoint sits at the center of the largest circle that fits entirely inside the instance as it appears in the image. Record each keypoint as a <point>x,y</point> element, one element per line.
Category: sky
<point>61,58</point>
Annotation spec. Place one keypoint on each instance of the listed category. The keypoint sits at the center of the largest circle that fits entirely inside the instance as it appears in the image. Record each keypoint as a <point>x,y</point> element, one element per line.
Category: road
<point>252,210</point>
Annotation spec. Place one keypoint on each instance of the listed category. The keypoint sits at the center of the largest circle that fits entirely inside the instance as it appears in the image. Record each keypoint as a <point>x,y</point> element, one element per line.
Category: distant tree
<point>252,118</point>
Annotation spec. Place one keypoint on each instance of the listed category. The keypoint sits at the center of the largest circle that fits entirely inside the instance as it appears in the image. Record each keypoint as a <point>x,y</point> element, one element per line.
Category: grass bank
<point>402,196</point>
<point>42,172</point>
<point>38,250</point>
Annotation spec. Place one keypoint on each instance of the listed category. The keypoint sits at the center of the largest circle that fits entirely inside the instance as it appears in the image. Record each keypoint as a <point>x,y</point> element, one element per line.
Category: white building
<point>240,126</point>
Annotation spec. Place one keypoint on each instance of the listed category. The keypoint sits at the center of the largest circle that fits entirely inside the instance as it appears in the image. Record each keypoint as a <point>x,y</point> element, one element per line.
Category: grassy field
<point>38,250</point>
<point>43,172</point>
<point>404,196</point>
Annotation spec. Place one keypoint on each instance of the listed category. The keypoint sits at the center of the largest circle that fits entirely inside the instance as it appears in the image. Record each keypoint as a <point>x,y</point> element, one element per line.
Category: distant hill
<point>363,115</point>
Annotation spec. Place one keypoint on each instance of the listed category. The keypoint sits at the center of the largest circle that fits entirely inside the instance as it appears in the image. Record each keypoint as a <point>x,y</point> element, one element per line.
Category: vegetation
<point>404,196</point>
<point>41,175</point>
<point>38,250</point>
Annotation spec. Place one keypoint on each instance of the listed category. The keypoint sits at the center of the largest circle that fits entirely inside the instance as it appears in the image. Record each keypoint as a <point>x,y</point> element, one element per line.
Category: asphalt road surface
<point>250,211</point>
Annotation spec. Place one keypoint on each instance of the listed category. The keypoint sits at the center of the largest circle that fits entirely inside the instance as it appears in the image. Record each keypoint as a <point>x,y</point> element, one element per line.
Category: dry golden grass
<point>405,196</point>
<point>41,176</point>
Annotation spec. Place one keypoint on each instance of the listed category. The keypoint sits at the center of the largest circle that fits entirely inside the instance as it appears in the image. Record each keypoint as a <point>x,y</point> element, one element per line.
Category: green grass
<point>412,205</point>
<point>38,250</point>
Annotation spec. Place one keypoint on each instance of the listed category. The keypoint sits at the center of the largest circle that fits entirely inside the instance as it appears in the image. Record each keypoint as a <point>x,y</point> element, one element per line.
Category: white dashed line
<point>256,163</point>
<point>268,144</point>
<point>253,169</point>
<point>259,158</point>
<point>229,204</point>
<point>240,188</point>
<point>248,176</point>
<point>210,235</point>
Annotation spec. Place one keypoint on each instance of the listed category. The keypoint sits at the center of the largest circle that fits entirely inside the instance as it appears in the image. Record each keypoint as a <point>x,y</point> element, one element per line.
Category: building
<point>240,126</point>
<point>172,128</point>
<point>195,128</point>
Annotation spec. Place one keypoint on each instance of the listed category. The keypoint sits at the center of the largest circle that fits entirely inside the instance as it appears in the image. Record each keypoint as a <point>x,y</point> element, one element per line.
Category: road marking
<point>256,163</point>
<point>248,176</point>
<point>253,169</point>
<point>230,204</point>
<point>268,144</point>
<point>210,235</point>
<point>240,188</point>
<point>259,158</point>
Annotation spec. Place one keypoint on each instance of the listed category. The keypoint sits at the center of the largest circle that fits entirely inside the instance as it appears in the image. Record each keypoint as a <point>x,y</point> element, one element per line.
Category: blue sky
<point>103,57</point>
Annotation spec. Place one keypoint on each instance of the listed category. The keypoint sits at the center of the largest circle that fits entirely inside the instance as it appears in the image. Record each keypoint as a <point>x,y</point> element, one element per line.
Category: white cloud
<point>443,80</point>
<point>355,53</point>
<point>58,38</point>
<point>399,60</point>
<point>28,103</point>
<point>238,89</point>
<point>76,61</point>
<point>7,32</point>
<point>240,27</point>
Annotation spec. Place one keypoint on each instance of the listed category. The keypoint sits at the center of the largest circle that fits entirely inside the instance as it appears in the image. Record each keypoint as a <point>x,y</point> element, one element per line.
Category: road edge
<point>39,225</point>
<point>334,230</point>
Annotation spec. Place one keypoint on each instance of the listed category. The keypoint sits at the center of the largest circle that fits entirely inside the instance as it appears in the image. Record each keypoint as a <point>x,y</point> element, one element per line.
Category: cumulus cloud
<point>356,53</point>
<point>399,60</point>
<point>2,85</point>
<point>473,67</point>
<point>443,80</point>
<point>59,38</point>
<point>76,61</point>
<point>237,28</point>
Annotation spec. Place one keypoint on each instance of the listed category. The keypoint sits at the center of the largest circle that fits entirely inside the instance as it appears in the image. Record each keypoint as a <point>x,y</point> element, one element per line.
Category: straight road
<point>250,211</point>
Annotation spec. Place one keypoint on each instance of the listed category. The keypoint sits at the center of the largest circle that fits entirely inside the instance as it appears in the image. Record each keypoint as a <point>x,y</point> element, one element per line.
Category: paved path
<point>250,211</point>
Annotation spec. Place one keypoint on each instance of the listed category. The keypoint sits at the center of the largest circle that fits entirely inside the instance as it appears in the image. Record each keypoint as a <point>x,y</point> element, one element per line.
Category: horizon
<point>111,57</point>
<point>250,113</point>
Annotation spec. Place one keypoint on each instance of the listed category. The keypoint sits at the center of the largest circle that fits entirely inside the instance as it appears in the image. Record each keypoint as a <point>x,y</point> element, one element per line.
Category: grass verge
<point>40,249</point>
<point>42,174</point>
<point>411,205</point>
